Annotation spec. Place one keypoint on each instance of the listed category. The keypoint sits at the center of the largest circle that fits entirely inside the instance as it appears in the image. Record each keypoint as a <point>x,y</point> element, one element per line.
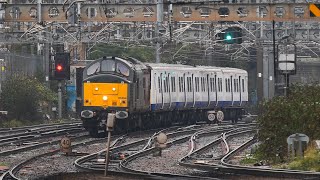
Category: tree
<point>22,96</point>
<point>144,54</point>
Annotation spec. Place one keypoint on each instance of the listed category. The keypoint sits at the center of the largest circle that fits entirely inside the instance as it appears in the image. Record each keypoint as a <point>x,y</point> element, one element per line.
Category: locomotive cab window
<point>94,68</point>
<point>108,65</point>
<point>122,69</point>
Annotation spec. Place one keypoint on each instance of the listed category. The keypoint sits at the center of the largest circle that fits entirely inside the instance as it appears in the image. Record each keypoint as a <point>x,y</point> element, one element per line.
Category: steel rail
<point>20,140</point>
<point>39,126</point>
<point>227,135</point>
<point>124,162</point>
<point>262,171</point>
<point>33,129</point>
<point>34,146</point>
<point>148,141</point>
<point>11,173</point>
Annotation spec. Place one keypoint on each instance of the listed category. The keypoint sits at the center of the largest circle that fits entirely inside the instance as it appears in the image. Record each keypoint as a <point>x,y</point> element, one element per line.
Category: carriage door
<point>209,87</point>
<point>169,89</point>
<point>156,89</point>
<point>216,88</point>
<point>193,91</point>
<point>240,90</point>
<point>161,90</point>
<point>184,90</point>
<point>231,83</point>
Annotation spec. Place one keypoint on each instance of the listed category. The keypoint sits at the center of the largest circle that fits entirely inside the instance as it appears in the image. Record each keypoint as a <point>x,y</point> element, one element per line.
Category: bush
<point>22,96</point>
<point>310,162</point>
<point>283,116</point>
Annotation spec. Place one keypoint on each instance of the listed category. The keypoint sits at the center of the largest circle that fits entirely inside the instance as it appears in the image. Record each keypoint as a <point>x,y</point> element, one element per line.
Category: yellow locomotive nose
<point>105,94</point>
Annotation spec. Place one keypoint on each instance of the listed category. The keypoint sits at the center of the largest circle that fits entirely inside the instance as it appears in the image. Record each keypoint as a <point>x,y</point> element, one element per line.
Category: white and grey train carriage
<point>146,95</point>
<point>202,92</point>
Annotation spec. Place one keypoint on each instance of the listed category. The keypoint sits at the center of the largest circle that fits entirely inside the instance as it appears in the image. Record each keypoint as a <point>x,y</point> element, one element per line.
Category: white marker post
<point>110,124</point>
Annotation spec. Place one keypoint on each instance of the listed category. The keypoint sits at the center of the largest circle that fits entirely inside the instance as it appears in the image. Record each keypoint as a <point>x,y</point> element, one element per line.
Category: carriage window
<point>242,85</point>
<point>179,84</point>
<point>213,85</point>
<point>168,85</point>
<point>144,82</point>
<point>94,68</point>
<point>108,65</point>
<point>183,85</point>
<point>237,86</point>
<point>137,91</point>
<point>226,85</point>
<point>159,85</point>
<point>122,69</point>
<point>165,85</point>
<point>190,81</point>
<point>173,84</point>
<point>188,84</point>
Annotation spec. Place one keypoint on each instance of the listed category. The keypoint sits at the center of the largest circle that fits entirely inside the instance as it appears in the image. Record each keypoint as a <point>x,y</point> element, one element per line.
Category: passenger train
<point>148,95</point>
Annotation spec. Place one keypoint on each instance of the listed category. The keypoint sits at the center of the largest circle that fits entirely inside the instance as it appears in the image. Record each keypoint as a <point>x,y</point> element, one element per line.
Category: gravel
<point>59,163</point>
<point>166,163</point>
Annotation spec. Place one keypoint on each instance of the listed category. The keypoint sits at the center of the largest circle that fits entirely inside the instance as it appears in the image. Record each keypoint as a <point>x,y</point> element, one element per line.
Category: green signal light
<point>228,37</point>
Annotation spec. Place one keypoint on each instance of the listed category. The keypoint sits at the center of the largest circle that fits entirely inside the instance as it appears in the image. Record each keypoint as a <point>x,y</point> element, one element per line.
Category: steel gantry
<point>82,24</point>
<point>74,22</point>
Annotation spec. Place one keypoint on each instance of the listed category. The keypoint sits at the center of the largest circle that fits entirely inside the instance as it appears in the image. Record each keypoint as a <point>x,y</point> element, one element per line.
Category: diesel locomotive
<point>148,95</point>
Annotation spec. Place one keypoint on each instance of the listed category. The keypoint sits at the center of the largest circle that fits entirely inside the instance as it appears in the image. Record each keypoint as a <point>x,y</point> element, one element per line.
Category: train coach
<point>148,95</point>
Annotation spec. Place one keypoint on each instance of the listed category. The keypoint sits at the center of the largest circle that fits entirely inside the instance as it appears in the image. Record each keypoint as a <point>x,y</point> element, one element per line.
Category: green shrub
<point>310,162</point>
<point>284,116</point>
<point>21,96</point>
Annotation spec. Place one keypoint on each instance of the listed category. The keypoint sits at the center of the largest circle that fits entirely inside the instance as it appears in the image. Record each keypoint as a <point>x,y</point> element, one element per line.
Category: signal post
<point>60,70</point>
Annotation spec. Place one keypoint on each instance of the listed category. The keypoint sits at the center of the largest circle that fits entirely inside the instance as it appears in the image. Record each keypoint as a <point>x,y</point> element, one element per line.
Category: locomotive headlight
<point>97,89</point>
<point>105,98</point>
<point>113,89</point>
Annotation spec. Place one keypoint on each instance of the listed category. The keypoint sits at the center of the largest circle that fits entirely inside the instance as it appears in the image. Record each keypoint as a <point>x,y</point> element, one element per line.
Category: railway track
<point>89,162</point>
<point>280,173</point>
<point>24,129</point>
<point>51,156</point>
<point>31,136</point>
<point>222,164</point>
<point>85,163</point>
<point>211,150</point>
<point>12,173</point>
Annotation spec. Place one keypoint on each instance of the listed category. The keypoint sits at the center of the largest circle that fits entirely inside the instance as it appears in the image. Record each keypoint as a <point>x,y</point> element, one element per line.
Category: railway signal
<point>231,35</point>
<point>60,66</point>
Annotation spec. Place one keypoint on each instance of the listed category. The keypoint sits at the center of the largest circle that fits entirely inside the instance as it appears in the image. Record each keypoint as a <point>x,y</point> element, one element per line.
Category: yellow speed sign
<point>65,143</point>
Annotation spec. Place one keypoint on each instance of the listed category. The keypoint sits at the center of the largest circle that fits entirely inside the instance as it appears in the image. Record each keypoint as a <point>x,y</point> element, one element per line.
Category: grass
<point>248,160</point>
<point>310,162</point>
<point>3,164</point>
